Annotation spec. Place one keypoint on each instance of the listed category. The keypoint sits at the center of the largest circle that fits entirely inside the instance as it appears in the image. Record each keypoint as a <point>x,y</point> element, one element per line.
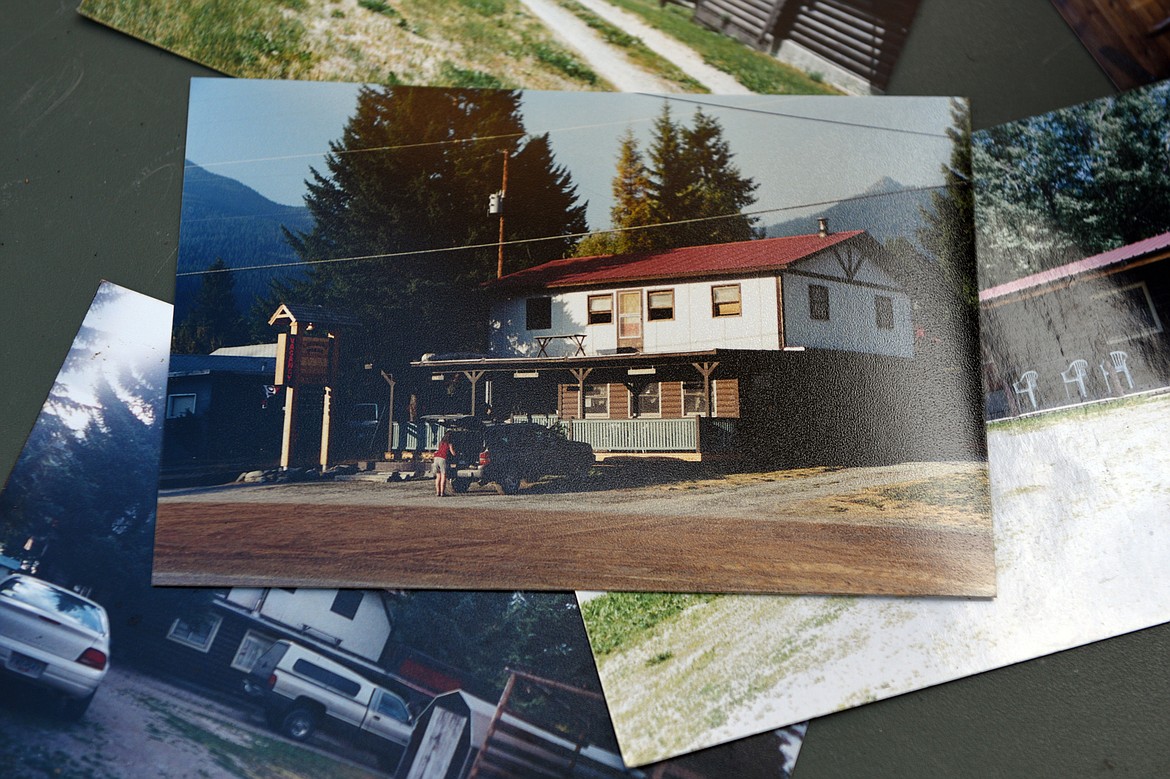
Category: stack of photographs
<point>742,370</point>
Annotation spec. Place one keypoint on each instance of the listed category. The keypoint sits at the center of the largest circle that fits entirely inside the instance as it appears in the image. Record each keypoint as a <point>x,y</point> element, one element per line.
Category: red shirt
<point>444,450</point>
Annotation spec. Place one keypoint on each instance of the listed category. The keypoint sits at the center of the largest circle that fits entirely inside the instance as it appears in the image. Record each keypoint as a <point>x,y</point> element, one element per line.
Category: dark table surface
<point>91,151</point>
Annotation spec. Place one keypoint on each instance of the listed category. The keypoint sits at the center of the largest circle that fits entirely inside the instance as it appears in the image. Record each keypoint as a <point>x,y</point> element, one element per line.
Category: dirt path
<point>664,45</point>
<point>818,531</point>
<point>608,61</point>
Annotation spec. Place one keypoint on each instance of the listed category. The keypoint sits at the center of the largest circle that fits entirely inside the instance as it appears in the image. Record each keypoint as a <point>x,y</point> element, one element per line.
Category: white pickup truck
<point>302,690</point>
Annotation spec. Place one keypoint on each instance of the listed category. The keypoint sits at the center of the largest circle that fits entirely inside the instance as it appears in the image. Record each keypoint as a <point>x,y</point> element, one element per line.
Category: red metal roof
<point>719,259</point>
<point>1073,269</point>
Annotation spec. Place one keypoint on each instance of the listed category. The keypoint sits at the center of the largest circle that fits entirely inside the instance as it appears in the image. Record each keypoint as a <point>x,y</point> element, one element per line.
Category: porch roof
<point>630,360</point>
<point>638,367</point>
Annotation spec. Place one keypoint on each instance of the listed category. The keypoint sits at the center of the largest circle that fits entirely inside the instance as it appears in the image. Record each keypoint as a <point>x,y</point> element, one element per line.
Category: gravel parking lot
<point>920,528</point>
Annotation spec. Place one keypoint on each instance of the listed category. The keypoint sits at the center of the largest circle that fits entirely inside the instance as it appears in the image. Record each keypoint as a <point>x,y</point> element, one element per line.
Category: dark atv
<point>511,452</point>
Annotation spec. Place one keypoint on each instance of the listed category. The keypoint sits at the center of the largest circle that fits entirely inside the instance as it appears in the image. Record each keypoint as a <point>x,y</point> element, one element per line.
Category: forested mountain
<point>887,209</point>
<point>224,219</point>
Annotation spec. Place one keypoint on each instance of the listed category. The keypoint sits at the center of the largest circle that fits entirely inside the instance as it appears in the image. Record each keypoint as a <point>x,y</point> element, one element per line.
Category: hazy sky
<point>801,150</point>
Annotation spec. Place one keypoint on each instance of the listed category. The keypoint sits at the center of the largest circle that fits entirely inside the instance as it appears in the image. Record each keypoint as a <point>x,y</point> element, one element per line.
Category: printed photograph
<point>1130,41</point>
<point>102,675</point>
<point>444,338</point>
<point>719,46</point>
<point>1072,228</point>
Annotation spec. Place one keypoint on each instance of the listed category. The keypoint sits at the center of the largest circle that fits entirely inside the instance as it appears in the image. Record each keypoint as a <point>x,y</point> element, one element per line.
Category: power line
<point>821,120</point>
<point>524,241</point>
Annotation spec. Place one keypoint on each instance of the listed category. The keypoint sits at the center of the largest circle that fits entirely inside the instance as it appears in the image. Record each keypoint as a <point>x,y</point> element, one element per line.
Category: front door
<point>629,324</point>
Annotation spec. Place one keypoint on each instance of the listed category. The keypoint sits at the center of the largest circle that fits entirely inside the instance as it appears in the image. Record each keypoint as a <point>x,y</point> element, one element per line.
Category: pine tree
<point>948,231</point>
<point>689,192</point>
<point>403,191</point>
<point>719,191</point>
<point>213,320</point>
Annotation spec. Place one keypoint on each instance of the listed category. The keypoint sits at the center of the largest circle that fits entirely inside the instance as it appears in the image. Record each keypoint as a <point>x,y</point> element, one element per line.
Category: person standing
<point>445,451</point>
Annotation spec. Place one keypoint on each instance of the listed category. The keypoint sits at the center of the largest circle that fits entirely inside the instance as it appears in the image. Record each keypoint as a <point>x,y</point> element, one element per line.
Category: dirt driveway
<point>914,528</point>
<point>141,726</point>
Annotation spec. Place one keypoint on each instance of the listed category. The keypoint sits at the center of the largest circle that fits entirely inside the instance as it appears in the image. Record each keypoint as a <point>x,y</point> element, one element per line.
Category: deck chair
<point>1026,386</point>
<point>1075,374</point>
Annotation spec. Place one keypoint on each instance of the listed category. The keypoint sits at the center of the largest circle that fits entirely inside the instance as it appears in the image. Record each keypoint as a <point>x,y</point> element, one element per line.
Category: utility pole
<point>503,197</point>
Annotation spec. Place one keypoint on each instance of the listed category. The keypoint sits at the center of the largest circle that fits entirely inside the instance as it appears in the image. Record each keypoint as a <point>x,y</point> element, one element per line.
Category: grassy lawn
<point>618,620</point>
<point>756,70</point>
<point>466,43</point>
<point>1071,413</point>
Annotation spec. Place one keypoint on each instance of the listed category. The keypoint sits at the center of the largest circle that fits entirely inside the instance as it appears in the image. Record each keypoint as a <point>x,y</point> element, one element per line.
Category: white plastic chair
<point>1075,374</point>
<point>1121,367</point>
<point>1027,386</point>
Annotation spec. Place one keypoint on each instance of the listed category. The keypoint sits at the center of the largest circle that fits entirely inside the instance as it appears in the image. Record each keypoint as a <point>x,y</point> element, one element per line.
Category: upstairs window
<point>883,312</point>
<point>346,603</point>
<point>600,309</point>
<point>725,300</point>
<point>660,305</point>
<point>538,313</point>
<point>818,302</point>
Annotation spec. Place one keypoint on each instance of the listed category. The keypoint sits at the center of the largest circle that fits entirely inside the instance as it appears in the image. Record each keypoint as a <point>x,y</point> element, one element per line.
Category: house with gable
<point>679,351</point>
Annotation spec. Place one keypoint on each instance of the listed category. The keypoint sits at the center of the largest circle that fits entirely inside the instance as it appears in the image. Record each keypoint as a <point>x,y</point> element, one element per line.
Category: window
<point>725,300</point>
<point>327,678</point>
<point>600,309</point>
<point>818,302</point>
<point>391,705</point>
<point>251,647</point>
<point>660,305</point>
<point>597,400</point>
<point>346,603</point>
<point>1134,303</point>
<point>694,399</point>
<point>180,405</point>
<point>649,401</point>
<point>197,632</point>
<point>538,313</point>
<point>883,312</point>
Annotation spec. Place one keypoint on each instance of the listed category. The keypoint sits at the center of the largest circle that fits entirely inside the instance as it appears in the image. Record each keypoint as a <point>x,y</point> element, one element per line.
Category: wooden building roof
<point>1063,275</point>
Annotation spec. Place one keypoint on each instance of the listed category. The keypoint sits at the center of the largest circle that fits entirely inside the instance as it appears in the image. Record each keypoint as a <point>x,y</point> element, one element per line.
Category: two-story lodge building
<point>675,351</point>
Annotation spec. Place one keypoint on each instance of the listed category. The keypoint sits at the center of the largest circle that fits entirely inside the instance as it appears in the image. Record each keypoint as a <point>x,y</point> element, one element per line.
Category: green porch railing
<point>691,434</point>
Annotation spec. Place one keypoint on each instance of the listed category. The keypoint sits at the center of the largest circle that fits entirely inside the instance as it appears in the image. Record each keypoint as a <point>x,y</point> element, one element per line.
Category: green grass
<point>617,620</point>
<point>638,52</point>
<point>1090,411</point>
<point>247,38</point>
<point>455,76</point>
<point>756,70</point>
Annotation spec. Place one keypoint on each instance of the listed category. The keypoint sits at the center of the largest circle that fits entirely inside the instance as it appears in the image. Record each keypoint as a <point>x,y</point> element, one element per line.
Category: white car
<point>53,638</point>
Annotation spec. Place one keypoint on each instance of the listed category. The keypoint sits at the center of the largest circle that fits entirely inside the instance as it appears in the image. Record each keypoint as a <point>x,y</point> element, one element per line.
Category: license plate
<point>28,666</point>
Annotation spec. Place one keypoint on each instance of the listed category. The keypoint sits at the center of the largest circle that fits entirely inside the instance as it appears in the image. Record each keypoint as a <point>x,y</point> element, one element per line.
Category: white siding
<point>692,328</point>
<point>852,324</point>
<point>364,635</point>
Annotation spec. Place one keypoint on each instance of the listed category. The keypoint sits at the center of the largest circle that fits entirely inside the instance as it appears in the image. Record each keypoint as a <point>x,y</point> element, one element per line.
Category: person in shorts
<point>444,451</point>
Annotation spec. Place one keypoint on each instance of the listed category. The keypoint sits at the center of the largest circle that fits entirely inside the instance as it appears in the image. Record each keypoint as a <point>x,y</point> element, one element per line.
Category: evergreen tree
<point>690,192</point>
<point>410,178</point>
<point>948,232</point>
<point>1080,181</point>
<point>718,188</point>
<point>214,320</point>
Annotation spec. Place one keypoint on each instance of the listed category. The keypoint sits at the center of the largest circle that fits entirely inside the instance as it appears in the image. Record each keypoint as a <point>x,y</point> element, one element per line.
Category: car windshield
<point>55,601</point>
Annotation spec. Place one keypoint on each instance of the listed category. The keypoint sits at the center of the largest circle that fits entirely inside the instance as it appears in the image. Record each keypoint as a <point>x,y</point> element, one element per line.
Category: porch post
<point>580,374</point>
<point>473,377</point>
<point>705,370</point>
